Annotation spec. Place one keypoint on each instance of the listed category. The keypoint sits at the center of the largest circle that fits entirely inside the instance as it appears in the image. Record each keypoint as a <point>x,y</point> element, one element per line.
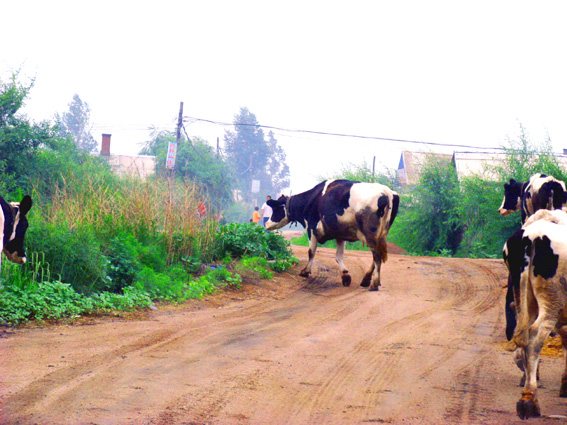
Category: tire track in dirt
<point>383,367</point>
<point>322,353</point>
<point>46,390</point>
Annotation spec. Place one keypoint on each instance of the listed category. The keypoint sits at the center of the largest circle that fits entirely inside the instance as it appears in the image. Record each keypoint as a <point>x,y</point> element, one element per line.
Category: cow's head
<point>512,197</point>
<point>14,241</point>
<point>279,216</point>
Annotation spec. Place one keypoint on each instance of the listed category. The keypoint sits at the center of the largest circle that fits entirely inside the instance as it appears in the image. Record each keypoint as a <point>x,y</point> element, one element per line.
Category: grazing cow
<point>345,211</point>
<point>13,226</point>
<point>541,192</point>
<point>537,259</point>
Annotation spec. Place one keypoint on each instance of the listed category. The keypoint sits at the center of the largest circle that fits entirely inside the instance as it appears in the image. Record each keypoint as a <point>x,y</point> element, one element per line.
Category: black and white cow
<point>13,226</point>
<point>537,255</point>
<point>345,211</point>
<point>541,192</point>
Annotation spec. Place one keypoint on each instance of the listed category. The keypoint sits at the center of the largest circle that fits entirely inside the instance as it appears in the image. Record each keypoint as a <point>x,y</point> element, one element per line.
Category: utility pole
<point>172,153</point>
<point>179,121</point>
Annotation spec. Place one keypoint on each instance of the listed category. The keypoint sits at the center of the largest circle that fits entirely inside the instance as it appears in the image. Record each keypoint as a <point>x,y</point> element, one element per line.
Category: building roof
<point>410,162</point>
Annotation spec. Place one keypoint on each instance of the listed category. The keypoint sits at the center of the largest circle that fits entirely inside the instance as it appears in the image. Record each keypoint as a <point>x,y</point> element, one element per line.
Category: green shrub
<point>249,239</point>
<point>124,264</point>
<point>73,255</point>
<point>45,300</point>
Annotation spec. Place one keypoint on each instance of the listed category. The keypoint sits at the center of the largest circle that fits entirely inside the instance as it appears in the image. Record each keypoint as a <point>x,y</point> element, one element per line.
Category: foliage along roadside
<point>30,293</point>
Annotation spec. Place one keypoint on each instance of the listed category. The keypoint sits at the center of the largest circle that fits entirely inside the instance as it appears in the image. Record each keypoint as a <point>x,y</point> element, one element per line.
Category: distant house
<point>135,165</point>
<point>410,162</point>
<point>465,163</point>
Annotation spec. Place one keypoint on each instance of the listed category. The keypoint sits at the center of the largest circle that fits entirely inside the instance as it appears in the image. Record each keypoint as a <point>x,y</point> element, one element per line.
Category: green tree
<point>76,123</point>
<point>428,221</point>
<point>255,158</point>
<point>21,140</point>
<point>196,161</point>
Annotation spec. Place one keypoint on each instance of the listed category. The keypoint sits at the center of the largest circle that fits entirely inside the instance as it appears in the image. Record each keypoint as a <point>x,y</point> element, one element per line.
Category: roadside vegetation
<point>442,215</point>
<point>99,242</point>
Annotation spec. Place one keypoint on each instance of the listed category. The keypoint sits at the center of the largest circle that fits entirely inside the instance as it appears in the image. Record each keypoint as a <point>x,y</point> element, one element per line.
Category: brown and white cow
<point>13,226</point>
<point>541,192</point>
<point>345,211</point>
<point>537,254</point>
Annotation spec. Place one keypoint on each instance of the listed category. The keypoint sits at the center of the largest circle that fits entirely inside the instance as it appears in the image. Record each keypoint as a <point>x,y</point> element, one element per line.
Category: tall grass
<point>94,228</point>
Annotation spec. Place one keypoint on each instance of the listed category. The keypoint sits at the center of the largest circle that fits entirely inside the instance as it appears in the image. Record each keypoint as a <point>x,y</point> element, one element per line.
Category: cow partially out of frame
<point>13,226</point>
<point>342,210</point>
<point>541,192</point>
<point>536,256</point>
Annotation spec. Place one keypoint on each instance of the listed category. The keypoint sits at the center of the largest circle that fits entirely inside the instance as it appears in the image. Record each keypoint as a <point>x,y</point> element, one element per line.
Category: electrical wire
<point>324,133</point>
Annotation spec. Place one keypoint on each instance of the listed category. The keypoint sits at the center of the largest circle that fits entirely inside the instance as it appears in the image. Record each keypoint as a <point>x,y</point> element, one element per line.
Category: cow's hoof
<point>304,273</point>
<point>346,280</point>
<point>373,288</point>
<point>365,282</point>
<point>527,409</point>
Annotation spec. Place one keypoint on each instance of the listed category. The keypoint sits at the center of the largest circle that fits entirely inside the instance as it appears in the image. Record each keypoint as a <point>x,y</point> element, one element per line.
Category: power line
<point>324,133</point>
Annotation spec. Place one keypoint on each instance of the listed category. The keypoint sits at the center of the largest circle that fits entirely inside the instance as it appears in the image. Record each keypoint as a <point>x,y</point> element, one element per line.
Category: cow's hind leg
<point>563,334</point>
<point>376,272</point>
<point>367,279</point>
<point>311,253</point>
<point>528,406</point>
<point>339,257</point>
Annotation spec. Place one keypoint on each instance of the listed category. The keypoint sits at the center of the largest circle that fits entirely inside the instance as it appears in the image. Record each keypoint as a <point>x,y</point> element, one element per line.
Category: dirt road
<point>425,349</point>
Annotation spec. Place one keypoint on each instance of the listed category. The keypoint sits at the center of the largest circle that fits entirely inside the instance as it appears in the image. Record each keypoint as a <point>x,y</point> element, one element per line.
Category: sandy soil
<point>426,349</point>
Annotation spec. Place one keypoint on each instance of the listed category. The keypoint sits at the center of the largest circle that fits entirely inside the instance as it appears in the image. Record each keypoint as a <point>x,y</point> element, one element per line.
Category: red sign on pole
<point>171,155</point>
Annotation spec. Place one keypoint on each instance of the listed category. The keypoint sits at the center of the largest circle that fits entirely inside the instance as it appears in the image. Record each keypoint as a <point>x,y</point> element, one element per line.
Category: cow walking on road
<point>342,210</point>
<point>13,226</point>
<point>541,192</point>
<point>537,256</point>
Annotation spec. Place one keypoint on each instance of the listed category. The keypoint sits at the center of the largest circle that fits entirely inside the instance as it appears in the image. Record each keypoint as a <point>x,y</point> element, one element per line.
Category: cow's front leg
<point>311,253</point>
<point>339,257</point>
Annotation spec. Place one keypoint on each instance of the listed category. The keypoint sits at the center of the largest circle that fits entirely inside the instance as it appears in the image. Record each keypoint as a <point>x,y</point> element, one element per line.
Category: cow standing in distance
<point>13,226</point>
<point>541,192</point>
<point>537,255</point>
<point>346,211</point>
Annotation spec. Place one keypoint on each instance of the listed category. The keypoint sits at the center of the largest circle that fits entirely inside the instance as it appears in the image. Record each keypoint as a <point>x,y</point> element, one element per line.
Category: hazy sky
<point>438,71</point>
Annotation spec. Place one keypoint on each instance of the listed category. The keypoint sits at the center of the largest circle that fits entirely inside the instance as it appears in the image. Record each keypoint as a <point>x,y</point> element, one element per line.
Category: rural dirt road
<point>426,349</point>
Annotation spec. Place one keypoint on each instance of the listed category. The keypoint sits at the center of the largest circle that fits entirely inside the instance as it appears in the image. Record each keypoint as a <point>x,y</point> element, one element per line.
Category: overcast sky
<point>445,72</point>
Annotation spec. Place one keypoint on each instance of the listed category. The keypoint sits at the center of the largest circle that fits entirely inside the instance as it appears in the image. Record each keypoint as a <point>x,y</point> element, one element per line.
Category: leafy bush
<point>249,239</point>
<point>124,264</point>
<point>428,219</point>
<point>46,300</point>
<point>73,255</point>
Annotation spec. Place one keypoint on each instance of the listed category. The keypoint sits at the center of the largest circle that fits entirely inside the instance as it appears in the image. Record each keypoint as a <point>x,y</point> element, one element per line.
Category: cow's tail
<point>521,334</point>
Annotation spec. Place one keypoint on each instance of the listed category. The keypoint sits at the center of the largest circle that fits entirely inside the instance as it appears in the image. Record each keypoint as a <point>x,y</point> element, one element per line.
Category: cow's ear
<point>282,200</point>
<point>25,204</point>
<point>272,203</point>
<point>512,182</point>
